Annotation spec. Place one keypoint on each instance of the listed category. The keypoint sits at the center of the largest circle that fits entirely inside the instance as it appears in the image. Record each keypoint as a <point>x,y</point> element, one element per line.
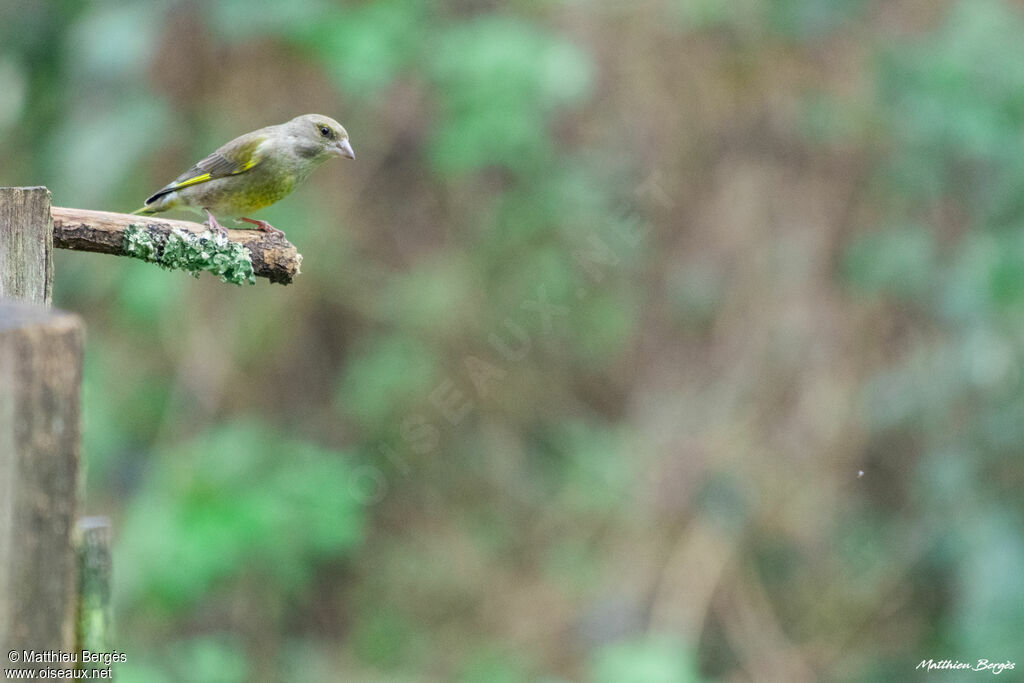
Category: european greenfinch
<point>254,170</point>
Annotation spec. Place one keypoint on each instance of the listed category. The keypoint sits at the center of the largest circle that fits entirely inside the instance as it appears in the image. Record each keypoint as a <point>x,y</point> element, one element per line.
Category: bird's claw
<point>214,226</point>
<point>264,226</point>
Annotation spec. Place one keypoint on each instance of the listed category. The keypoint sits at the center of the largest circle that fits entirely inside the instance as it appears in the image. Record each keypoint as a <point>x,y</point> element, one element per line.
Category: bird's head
<point>319,138</point>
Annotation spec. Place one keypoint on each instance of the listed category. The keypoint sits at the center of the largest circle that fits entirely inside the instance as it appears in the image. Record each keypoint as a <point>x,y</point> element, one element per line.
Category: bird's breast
<point>267,189</point>
<point>247,192</point>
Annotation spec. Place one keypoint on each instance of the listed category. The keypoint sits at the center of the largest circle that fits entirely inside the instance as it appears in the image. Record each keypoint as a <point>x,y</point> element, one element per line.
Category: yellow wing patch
<point>206,176</point>
<point>191,181</point>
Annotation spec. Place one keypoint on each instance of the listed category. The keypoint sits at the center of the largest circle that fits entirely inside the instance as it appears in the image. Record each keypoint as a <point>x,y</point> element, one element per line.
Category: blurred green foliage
<point>953,102</point>
<point>522,418</point>
<point>501,79</point>
<point>263,505</point>
<point>654,660</point>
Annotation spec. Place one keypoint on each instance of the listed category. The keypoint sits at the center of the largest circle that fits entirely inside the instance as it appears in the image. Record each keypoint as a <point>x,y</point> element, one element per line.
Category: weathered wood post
<point>40,386</point>
<point>40,383</point>
<point>93,618</point>
<point>26,244</point>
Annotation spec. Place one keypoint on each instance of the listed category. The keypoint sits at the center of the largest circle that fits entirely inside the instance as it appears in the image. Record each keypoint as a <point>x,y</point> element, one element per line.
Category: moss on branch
<point>192,252</point>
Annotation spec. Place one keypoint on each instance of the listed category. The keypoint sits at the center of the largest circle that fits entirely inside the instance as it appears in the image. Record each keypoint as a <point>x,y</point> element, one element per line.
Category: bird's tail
<point>144,211</point>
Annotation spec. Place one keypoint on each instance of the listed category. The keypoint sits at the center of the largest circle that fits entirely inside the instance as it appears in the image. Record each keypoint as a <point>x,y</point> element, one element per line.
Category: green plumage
<point>254,170</point>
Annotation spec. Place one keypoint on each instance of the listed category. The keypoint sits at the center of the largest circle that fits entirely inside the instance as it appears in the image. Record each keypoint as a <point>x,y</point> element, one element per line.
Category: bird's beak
<point>344,149</point>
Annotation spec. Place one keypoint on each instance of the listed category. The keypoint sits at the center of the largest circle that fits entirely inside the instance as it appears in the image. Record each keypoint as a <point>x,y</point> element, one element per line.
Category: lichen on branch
<point>192,252</point>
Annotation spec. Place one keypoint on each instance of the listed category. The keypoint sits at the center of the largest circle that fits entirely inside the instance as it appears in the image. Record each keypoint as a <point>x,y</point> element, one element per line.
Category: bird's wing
<point>237,156</point>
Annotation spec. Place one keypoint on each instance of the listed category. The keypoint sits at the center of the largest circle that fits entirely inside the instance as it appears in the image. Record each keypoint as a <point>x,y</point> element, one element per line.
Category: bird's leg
<point>263,226</point>
<point>212,224</point>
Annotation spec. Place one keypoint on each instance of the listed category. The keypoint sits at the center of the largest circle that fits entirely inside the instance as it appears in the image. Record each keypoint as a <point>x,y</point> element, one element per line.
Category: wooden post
<point>40,384</point>
<point>26,244</point>
<point>94,622</point>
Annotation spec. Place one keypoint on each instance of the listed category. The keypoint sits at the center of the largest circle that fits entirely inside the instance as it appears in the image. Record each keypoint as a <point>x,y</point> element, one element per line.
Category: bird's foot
<point>263,226</point>
<point>213,225</point>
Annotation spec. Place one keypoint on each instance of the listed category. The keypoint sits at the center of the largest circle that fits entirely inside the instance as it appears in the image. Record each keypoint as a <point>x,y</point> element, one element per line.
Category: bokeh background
<point>654,341</point>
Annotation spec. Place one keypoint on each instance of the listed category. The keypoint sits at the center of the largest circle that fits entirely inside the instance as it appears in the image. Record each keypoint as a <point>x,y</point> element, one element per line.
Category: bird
<point>253,171</point>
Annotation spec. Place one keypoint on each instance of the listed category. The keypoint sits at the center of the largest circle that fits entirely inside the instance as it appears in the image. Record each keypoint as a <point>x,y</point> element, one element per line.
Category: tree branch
<point>273,257</point>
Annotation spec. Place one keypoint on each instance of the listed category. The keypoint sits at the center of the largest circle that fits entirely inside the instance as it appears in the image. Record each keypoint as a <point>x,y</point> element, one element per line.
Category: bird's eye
<point>325,131</point>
